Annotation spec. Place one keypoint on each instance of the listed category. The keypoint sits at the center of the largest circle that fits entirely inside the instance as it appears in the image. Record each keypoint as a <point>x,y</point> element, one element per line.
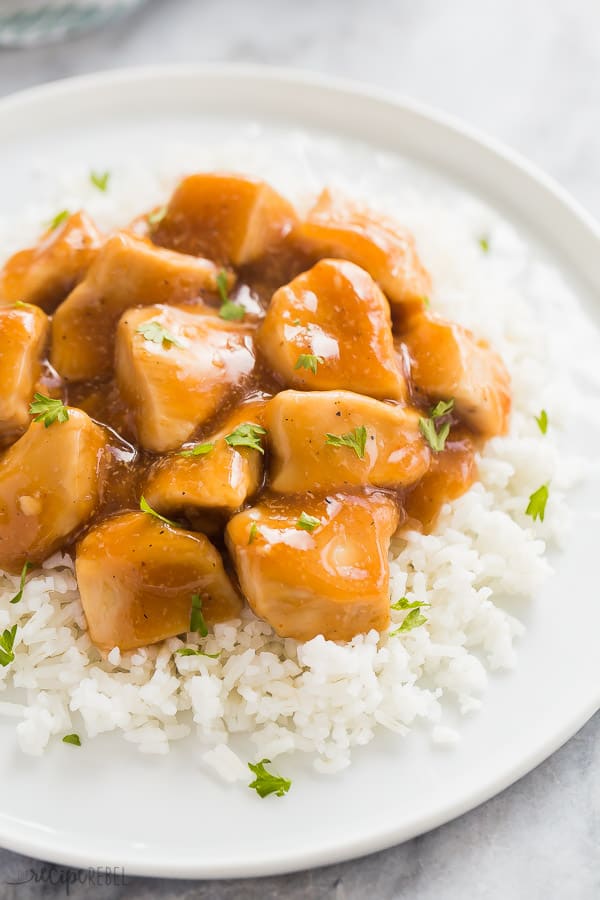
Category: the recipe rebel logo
<point>71,879</point>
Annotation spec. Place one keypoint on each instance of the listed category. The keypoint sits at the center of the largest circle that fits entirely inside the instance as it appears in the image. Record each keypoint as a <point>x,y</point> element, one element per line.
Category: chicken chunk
<point>229,218</point>
<point>331,578</point>
<point>50,483</point>
<point>174,384</point>
<point>303,457</point>
<point>331,328</point>
<point>23,335</point>
<point>336,226</point>
<point>127,272</point>
<point>137,577</point>
<point>448,362</point>
<point>209,480</point>
<point>45,274</point>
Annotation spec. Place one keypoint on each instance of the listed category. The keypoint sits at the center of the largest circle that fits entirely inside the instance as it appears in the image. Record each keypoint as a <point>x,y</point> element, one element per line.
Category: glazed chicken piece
<point>331,328</point>
<point>50,483</point>
<point>137,577</point>
<point>449,362</point>
<point>338,227</point>
<point>176,368</point>
<point>45,274</point>
<point>23,335</point>
<point>127,272</point>
<point>329,576</point>
<point>210,480</point>
<point>303,458</point>
<point>228,218</point>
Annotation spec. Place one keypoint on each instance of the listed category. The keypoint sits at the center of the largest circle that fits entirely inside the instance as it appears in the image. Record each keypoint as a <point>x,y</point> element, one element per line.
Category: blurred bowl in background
<point>28,23</point>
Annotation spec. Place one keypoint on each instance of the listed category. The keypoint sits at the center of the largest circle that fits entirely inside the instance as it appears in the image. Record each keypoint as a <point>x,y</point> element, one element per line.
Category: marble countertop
<point>528,74</point>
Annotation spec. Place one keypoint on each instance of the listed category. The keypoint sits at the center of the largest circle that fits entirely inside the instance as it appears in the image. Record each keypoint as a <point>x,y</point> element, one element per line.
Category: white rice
<point>320,697</point>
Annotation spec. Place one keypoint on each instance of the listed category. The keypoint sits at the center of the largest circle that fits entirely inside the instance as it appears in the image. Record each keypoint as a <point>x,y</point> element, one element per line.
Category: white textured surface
<point>530,75</point>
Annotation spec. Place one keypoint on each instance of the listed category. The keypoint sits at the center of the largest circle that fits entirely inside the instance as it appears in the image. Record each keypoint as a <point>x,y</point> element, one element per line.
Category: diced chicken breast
<point>229,218</point>
<point>45,274</point>
<point>23,335</point>
<point>137,577</point>
<point>332,579</point>
<point>209,479</point>
<point>339,227</point>
<point>449,362</point>
<point>331,328</point>
<point>174,386</point>
<point>127,272</point>
<point>303,458</point>
<point>50,483</point>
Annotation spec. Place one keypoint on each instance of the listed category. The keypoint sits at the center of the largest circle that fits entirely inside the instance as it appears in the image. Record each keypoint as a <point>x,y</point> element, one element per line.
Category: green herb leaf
<point>309,361</point>
<point>484,243</point>
<point>230,311</point>
<point>100,180</point>
<point>426,302</point>
<point>442,409</point>
<point>197,622</point>
<point>58,219</point>
<point>19,304</point>
<point>296,322</point>
<point>72,739</point>
<point>536,508</point>
<point>307,523</point>
<point>156,217</point>
<point>198,450</point>
<point>146,508</point>
<point>436,439</point>
<point>47,410</point>
<point>265,783</point>
<point>413,620</point>
<point>19,596</point>
<point>246,435</point>
<point>405,603</point>
<point>153,331</point>
<point>252,533</point>
<point>196,651</point>
<point>7,642</point>
<point>356,440</point>
<point>542,421</point>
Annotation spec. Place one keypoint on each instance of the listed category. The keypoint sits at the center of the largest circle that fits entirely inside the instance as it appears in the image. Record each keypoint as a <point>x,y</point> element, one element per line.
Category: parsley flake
<point>153,331</point>
<point>198,450</point>
<point>100,180</point>
<point>197,622</point>
<point>19,595</point>
<point>307,523</point>
<point>309,361</point>
<point>58,219</point>
<point>72,739</point>
<point>405,603</point>
<point>426,302</point>
<point>7,641</point>
<point>252,533</point>
<point>542,421</point>
<point>436,436</point>
<point>536,508</point>
<point>230,311</point>
<point>196,651</point>
<point>413,620</point>
<point>356,440</point>
<point>48,410</point>
<point>146,508</point>
<point>266,783</point>
<point>156,216</point>
<point>484,243</point>
<point>246,435</point>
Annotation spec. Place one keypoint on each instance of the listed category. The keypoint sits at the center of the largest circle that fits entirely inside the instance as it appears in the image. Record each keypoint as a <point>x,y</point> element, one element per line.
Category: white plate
<point>106,805</point>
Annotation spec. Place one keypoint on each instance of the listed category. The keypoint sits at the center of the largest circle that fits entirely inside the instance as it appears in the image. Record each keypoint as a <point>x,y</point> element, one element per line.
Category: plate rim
<point>17,836</point>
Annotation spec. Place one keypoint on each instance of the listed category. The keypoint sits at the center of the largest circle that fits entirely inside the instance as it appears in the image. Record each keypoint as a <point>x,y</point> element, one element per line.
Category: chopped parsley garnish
<point>230,311</point>
<point>48,410</point>
<point>19,595</point>
<point>356,440</point>
<point>442,408</point>
<point>296,322</point>
<point>309,361</point>
<point>100,180</point>
<point>246,435</point>
<point>146,508</point>
<point>198,450</point>
<point>197,622</point>
<point>7,641</point>
<point>19,304</point>
<point>265,783</point>
<point>307,523</point>
<point>58,219</point>
<point>426,302</point>
<point>72,739</point>
<point>542,421</point>
<point>536,508</point>
<point>405,603</point>
<point>156,217</point>
<point>413,620</point>
<point>252,533</point>
<point>153,331</point>
<point>436,437</point>
<point>196,651</point>
<point>484,243</point>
